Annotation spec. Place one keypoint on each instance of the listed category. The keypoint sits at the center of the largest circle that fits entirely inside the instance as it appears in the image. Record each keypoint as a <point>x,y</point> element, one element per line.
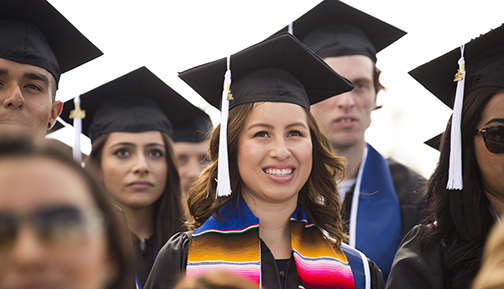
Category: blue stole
<point>379,222</point>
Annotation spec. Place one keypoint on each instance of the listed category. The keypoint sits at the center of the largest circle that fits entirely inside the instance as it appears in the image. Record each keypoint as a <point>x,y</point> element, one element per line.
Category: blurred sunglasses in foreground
<point>64,225</point>
<point>493,138</point>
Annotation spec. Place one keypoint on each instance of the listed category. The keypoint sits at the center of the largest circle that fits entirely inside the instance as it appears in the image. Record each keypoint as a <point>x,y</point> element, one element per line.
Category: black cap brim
<point>57,126</point>
<point>434,142</point>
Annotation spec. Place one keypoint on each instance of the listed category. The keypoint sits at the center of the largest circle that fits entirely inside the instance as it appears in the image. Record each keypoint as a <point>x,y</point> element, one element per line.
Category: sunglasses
<point>493,138</point>
<point>53,226</point>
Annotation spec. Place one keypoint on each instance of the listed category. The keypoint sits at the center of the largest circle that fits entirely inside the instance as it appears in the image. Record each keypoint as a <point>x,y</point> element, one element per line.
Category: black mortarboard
<point>333,28</point>
<point>484,63</point>
<point>33,32</point>
<point>434,142</point>
<point>136,102</point>
<point>194,129</point>
<point>279,69</point>
<point>480,64</point>
<point>57,126</point>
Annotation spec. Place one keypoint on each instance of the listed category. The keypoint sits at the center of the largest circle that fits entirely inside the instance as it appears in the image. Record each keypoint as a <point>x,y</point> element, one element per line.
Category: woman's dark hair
<point>459,219</point>
<point>168,212</point>
<point>319,196</point>
<point>118,247</point>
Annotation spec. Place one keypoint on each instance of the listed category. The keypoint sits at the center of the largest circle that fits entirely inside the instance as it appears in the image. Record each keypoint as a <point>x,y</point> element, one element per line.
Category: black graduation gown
<point>411,190</point>
<point>170,266</point>
<point>411,270</point>
<point>144,259</point>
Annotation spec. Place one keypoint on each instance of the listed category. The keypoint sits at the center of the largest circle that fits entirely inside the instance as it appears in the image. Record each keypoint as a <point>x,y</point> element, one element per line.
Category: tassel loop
<point>77,115</point>
<point>223,180</point>
<point>455,181</point>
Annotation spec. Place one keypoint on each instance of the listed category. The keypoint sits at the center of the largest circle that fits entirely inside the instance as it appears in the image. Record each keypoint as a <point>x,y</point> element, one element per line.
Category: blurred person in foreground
<point>57,228</point>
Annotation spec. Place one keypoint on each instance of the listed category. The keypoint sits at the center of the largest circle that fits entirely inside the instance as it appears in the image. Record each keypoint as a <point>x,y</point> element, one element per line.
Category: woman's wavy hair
<point>319,196</point>
<point>460,220</point>
<point>168,210</point>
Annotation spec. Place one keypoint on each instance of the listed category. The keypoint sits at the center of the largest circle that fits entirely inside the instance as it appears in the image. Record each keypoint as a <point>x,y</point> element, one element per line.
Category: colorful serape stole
<point>231,246</point>
<point>234,246</point>
<point>319,264</point>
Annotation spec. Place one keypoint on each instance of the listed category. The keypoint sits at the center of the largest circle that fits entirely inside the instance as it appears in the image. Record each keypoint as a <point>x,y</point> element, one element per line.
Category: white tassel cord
<point>77,114</point>
<point>223,182</point>
<point>455,181</point>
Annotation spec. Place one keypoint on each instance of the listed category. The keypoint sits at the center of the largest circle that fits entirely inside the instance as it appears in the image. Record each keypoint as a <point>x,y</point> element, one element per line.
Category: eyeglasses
<point>493,138</point>
<point>53,226</point>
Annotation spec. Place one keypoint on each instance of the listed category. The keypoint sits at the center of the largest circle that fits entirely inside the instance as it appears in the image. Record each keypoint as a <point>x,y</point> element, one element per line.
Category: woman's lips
<point>279,175</point>
<point>140,185</point>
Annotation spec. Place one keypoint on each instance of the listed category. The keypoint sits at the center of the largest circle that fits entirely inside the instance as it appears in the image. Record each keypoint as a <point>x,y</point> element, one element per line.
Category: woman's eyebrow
<point>501,120</point>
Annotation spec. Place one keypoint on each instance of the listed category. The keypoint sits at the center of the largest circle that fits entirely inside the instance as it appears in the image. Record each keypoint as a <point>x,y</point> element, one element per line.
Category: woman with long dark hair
<point>273,214</point>
<point>129,121</point>
<point>466,192</point>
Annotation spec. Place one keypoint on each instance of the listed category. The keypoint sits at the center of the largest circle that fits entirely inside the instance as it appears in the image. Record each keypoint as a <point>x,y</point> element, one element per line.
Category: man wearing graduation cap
<point>388,203</point>
<point>190,145</point>
<point>37,45</point>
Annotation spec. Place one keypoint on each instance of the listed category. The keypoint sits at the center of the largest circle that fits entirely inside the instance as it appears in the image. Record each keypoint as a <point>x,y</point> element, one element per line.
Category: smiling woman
<point>273,215</point>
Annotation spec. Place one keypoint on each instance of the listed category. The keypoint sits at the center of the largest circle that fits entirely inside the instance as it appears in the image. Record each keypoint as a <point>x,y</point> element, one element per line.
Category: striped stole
<point>234,246</point>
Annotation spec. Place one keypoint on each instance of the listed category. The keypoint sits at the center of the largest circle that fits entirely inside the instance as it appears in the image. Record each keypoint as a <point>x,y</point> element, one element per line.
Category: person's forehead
<point>22,68</point>
<point>494,109</point>
<point>136,138</point>
<point>28,183</point>
<point>190,148</point>
<point>352,67</point>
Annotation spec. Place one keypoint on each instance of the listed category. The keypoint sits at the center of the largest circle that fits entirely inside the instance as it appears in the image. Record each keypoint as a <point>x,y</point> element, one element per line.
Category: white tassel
<point>290,29</point>
<point>455,181</point>
<point>77,114</point>
<point>223,182</point>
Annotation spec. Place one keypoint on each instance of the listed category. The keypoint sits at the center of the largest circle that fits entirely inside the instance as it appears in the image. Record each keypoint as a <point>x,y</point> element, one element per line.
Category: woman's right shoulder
<point>415,269</point>
<point>171,261</point>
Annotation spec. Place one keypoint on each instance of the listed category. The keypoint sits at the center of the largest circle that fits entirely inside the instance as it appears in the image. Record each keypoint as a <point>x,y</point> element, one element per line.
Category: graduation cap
<point>194,130</point>
<point>333,28</point>
<point>34,32</point>
<point>434,142</point>
<point>279,69</point>
<point>57,126</point>
<point>480,63</point>
<point>135,102</point>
